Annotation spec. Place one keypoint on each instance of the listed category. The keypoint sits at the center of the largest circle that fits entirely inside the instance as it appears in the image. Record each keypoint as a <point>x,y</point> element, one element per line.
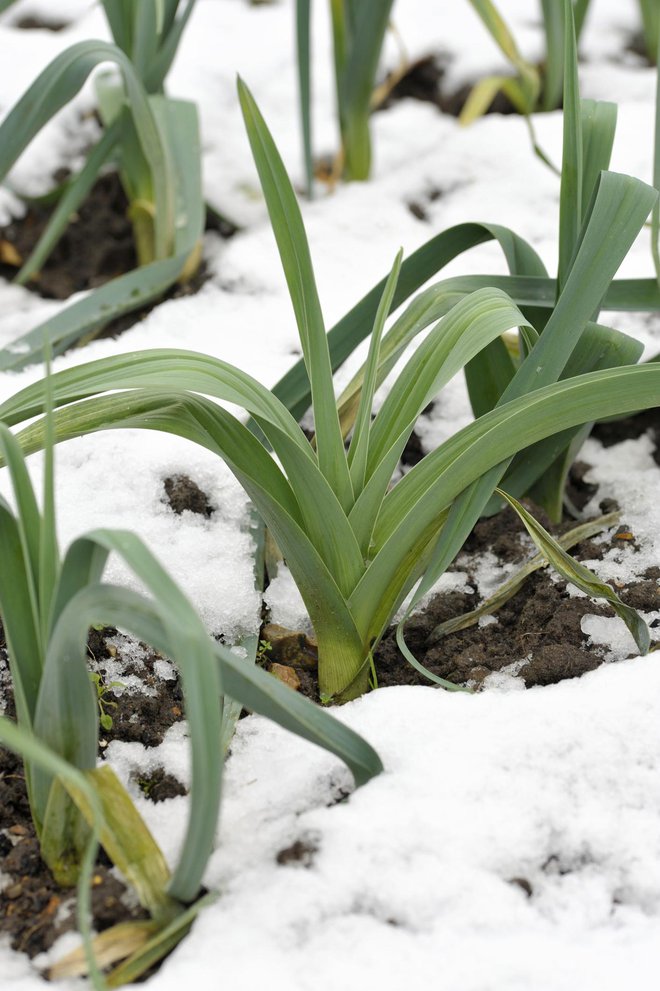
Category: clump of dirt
<point>40,24</point>
<point>185,494</point>
<point>299,854</point>
<point>159,785</point>
<point>637,46</point>
<point>294,651</point>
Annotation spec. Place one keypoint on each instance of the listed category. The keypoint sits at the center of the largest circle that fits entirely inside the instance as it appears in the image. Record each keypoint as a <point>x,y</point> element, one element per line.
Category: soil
<point>185,494</point>
<point>34,910</point>
<point>539,627</point>
<point>424,81</point>
<point>97,246</point>
<point>40,24</point>
<point>637,45</point>
<point>616,431</point>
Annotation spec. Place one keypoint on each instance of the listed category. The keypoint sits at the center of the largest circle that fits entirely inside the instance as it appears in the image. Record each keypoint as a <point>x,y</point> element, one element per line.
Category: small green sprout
<point>265,646</point>
<point>102,688</point>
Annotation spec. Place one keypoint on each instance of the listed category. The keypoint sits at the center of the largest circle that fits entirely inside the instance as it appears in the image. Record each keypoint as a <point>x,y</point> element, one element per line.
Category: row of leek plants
<point>154,142</point>
<point>355,545</point>
<point>358,32</point>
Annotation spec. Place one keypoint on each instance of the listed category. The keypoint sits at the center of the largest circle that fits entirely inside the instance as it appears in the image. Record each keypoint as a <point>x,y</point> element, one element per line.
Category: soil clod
<point>185,494</point>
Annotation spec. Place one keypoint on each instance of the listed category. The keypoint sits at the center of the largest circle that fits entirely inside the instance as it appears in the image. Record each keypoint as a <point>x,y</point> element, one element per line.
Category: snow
<point>420,876</point>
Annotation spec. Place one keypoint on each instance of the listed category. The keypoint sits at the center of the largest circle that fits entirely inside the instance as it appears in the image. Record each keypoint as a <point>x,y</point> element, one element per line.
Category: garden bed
<point>514,839</point>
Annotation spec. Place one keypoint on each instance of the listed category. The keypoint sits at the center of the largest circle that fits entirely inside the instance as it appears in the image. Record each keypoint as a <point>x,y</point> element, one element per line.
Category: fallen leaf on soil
<point>9,255</point>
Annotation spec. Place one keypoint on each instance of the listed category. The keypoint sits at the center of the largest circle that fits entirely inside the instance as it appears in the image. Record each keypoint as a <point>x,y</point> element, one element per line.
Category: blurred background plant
<point>535,87</point>
<point>151,139</point>
<point>358,32</point>
<point>650,13</point>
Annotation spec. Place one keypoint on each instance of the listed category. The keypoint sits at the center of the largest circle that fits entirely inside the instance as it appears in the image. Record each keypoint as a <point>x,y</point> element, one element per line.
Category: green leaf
<point>418,268</point>
<point>413,507</point>
<point>570,195</point>
<point>159,369</point>
<point>599,347</point>
<point>580,9</point>
<point>190,648</point>
<point>297,264</point>
<point>598,130</point>
<point>20,617</point>
<point>651,26</point>
<point>554,16</point>
<point>173,29</point>
<point>513,585</point>
<point>56,86</point>
<point>358,453</point>
<point>356,83</point>
<point>468,328</point>
<point>655,216</point>
<point>303,17</point>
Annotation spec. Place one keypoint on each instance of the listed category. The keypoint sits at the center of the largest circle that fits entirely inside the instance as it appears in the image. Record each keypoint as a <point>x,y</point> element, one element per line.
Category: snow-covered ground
<point>514,840</point>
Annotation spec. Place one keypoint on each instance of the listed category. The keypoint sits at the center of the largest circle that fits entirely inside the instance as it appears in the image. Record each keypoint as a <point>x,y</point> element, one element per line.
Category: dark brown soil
<point>637,45</point>
<point>299,854</point>
<point>159,786</point>
<point>540,627</point>
<point>34,910</point>
<point>616,431</point>
<point>185,494</point>
<point>425,81</point>
<point>40,24</point>
<point>97,246</point>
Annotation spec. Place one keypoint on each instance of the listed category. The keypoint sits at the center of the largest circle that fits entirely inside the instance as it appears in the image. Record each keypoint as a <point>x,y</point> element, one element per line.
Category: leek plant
<point>151,138</point>
<point>650,12</point>
<point>358,32</point>
<point>47,604</point>
<point>533,87</point>
<point>356,547</point>
<point>591,199</point>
